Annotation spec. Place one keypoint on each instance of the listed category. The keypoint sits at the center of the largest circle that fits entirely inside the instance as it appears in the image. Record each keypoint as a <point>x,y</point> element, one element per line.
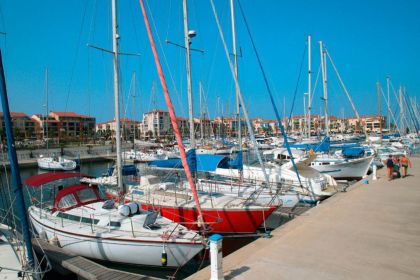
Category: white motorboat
<point>86,225</point>
<point>342,168</point>
<point>56,163</point>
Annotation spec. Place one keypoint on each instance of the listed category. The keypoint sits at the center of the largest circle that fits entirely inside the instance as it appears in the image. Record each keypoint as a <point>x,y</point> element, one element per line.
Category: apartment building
<point>129,128</point>
<point>23,125</point>
<point>64,126</point>
<point>155,124</point>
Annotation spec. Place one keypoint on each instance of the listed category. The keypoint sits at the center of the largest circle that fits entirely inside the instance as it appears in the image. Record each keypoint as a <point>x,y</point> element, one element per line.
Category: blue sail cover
<point>353,152</point>
<point>192,160</point>
<point>389,136</point>
<point>201,163</point>
<point>237,162</point>
<point>127,170</point>
<point>324,146</point>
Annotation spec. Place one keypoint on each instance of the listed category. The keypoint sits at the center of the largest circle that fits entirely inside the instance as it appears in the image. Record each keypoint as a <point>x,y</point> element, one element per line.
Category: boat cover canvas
<point>353,152</point>
<point>44,178</point>
<point>324,146</point>
<point>126,170</point>
<point>201,162</point>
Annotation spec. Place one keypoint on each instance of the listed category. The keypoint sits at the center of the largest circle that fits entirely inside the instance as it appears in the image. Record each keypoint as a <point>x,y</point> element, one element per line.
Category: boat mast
<point>14,167</point>
<point>401,111</point>
<point>309,83</point>
<point>172,115</point>
<point>46,108</point>
<point>115,38</point>
<point>324,85</point>
<point>187,37</point>
<point>378,92</point>
<point>389,110</point>
<point>134,106</point>
<point>201,113</point>
<point>235,66</point>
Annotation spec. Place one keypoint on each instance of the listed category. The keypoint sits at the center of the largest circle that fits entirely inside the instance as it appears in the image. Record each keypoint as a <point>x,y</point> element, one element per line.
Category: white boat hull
<point>104,246</point>
<point>48,163</point>
<point>352,169</point>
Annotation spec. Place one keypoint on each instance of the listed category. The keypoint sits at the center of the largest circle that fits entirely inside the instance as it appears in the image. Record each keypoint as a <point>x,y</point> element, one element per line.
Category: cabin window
<point>86,195</point>
<point>77,218</point>
<point>67,201</point>
<point>114,224</point>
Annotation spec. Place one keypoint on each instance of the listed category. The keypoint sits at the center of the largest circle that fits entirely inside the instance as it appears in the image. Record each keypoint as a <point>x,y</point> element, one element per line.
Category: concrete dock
<point>372,231</point>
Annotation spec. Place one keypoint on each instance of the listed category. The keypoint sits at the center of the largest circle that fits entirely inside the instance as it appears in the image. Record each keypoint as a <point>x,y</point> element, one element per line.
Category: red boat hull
<point>217,220</point>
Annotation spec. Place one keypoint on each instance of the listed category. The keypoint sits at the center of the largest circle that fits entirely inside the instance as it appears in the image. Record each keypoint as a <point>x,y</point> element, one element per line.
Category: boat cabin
<point>76,196</point>
<point>61,190</point>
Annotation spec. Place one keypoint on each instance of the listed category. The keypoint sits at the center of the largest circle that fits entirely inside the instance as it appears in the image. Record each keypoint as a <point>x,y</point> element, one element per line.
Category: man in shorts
<point>390,166</point>
<point>405,162</point>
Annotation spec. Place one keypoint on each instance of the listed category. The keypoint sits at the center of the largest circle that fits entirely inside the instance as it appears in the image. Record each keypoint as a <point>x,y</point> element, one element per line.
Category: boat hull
<point>355,169</point>
<point>100,246</point>
<point>219,220</point>
<point>53,165</point>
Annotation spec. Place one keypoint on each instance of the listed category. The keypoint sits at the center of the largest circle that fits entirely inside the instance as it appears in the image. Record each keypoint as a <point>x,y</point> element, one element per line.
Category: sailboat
<point>197,210</point>
<point>53,162</point>
<point>85,223</point>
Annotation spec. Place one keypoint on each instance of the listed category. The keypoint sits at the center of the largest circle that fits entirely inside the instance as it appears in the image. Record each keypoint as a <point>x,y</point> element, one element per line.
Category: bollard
<point>374,169</point>
<point>216,257</point>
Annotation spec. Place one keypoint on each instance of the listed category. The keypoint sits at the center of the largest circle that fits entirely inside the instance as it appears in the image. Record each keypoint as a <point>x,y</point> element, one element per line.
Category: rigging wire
<point>271,98</point>
<point>251,132</point>
<point>76,56</point>
<point>296,89</point>
<point>165,59</point>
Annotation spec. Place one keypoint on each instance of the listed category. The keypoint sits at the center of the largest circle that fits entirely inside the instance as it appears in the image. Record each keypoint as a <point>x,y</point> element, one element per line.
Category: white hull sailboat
<point>313,183</point>
<point>86,225</point>
<point>56,164</point>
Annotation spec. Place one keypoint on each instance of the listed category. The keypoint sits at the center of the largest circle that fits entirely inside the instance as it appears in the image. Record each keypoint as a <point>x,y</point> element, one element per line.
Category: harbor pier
<point>372,231</point>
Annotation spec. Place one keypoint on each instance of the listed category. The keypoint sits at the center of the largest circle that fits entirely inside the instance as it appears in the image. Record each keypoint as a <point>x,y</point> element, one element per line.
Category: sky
<point>368,40</point>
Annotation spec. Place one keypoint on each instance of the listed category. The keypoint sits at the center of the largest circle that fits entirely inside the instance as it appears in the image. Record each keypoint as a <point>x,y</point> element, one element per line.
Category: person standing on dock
<point>405,162</point>
<point>390,166</point>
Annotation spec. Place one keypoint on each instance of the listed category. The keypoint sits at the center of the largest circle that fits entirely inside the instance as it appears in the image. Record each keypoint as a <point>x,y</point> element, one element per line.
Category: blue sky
<point>367,40</point>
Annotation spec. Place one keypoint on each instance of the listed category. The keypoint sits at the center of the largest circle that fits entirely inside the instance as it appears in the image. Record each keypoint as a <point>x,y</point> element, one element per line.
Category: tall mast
<point>201,113</point>
<point>115,38</point>
<point>46,108</point>
<point>401,111</point>
<point>324,85</point>
<point>389,110</point>
<point>309,83</point>
<point>134,106</point>
<point>378,92</point>
<point>187,37</point>
<point>172,115</point>
<point>235,66</point>
<point>14,168</point>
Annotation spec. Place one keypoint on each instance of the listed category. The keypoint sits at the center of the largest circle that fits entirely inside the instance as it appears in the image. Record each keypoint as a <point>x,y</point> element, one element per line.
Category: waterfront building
<point>155,124</point>
<point>129,129</point>
<point>64,126</point>
<point>23,125</point>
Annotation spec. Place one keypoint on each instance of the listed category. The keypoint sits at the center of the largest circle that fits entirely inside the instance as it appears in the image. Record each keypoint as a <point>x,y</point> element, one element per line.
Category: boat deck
<point>372,231</point>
